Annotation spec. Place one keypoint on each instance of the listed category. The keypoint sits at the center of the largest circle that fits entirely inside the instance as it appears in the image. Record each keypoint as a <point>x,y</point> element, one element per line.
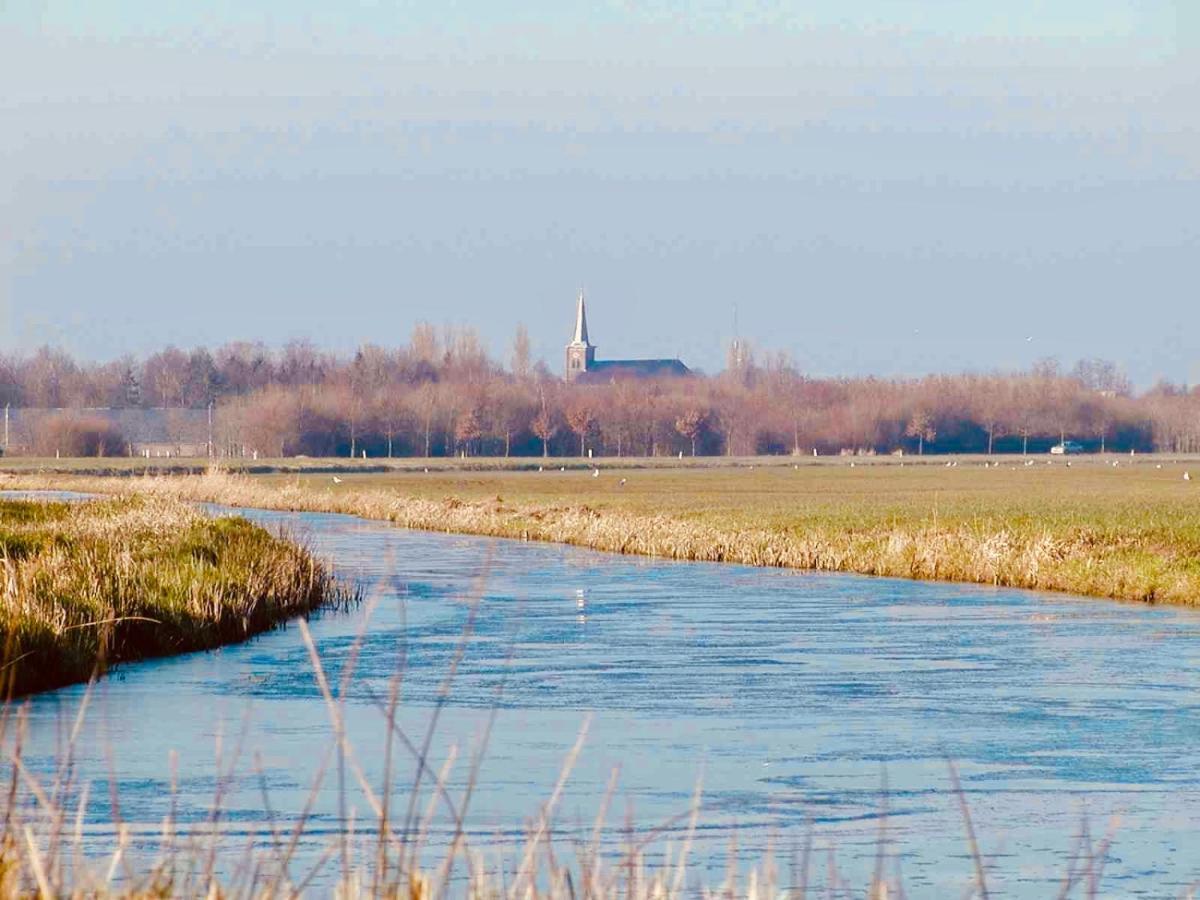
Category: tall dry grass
<point>1117,556</point>
<point>89,585</point>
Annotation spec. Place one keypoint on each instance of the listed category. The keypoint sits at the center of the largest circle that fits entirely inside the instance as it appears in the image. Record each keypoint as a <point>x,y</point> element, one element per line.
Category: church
<point>584,368</point>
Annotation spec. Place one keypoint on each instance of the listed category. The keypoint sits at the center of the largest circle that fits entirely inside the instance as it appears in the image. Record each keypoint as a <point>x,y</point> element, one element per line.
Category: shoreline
<point>1082,560</point>
<point>100,583</point>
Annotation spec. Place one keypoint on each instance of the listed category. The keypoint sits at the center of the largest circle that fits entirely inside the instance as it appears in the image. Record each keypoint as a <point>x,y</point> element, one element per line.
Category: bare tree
<point>545,427</point>
<point>581,419</point>
<point>467,430</point>
<point>522,354</point>
<point>920,426</point>
<point>691,425</point>
<point>388,409</point>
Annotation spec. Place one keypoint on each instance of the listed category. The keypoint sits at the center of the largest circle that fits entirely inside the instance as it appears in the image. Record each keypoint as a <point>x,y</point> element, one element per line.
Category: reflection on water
<point>789,694</point>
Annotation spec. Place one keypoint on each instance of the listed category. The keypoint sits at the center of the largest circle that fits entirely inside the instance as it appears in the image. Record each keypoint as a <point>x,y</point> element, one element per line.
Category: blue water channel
<point>801,704</point>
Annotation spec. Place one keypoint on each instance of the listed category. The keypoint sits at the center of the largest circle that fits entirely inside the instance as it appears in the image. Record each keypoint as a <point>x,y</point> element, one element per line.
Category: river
<point>793,699</point>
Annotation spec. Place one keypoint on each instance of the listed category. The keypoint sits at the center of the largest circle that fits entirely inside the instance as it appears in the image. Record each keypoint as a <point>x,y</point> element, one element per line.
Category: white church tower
<point>581,354</point>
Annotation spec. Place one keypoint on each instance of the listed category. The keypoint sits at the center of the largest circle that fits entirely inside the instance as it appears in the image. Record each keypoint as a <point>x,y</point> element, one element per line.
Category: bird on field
<point>1159,466</point>
<point>336,480</point>
<point>595,473</point>
<point>562,468</point>
<point>621,483</point>
<point>1187,476</point>
<point>539,468</point>
<point>1068,464</point>
<point>426,470</point>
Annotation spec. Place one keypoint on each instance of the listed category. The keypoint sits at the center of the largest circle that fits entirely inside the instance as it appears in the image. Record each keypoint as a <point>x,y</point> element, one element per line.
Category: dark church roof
<point>583,367</point>
<point>608,370</point>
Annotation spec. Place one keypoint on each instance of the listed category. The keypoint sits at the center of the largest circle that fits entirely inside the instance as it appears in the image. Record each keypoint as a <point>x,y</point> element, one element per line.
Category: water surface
<point>791,696</point>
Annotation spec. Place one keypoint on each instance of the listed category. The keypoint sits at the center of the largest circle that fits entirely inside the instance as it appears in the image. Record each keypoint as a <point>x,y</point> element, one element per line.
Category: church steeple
<point>581,335</point>
<point>581,355</point>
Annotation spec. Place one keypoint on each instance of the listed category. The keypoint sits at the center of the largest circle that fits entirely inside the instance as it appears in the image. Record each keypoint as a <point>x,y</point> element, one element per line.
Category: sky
<point>895,189</point>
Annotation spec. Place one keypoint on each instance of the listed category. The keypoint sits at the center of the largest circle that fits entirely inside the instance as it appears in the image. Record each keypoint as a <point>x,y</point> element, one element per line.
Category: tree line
<point>441,394</point>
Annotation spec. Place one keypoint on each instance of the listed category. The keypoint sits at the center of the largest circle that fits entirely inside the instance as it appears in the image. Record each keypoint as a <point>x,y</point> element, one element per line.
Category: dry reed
<point>1116,557</point>
<point>106,582</point>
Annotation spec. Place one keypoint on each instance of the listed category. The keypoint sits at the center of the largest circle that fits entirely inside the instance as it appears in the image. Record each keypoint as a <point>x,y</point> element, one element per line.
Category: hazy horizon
<point>901,189</point>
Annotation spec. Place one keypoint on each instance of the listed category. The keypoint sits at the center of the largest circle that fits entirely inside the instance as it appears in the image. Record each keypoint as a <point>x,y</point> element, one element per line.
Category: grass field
<point>105,582</point>
<point>1126,531</point>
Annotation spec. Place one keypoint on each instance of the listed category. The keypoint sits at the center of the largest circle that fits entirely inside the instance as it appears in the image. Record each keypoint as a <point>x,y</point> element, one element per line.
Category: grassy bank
<point>101,583</point>
<point>1130,531</point>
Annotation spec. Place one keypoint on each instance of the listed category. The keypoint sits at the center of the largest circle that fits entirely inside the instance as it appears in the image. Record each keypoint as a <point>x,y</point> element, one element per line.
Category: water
<point>789,696</point>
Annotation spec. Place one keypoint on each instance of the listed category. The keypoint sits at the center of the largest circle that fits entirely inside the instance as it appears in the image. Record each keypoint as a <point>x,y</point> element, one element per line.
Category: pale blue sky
<point>899,188</point>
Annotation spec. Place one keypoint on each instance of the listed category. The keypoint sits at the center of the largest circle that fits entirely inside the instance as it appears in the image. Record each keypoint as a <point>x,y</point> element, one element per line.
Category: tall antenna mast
<point>738,356</point>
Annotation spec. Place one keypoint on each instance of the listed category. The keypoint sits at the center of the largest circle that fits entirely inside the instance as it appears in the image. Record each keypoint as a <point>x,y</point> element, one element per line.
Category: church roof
<point>608,370</point>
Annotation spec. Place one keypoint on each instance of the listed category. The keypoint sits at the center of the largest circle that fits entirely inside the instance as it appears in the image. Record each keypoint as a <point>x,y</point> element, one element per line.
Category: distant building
<point>583,367</point>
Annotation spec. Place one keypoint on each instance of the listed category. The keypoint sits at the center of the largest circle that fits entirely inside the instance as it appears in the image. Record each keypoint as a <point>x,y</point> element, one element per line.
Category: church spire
<point>581,334</point>
<point>581,354</point>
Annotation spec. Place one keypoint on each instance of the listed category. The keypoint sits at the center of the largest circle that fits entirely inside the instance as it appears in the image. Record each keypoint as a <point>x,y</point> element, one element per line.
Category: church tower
<point>581,355</point>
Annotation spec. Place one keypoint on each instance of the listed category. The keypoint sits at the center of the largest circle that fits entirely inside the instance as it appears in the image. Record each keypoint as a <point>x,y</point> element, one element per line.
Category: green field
<point>1127,531</point>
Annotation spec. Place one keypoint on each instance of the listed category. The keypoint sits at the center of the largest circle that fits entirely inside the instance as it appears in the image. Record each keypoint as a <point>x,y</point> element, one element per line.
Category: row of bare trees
<point>440,395</point>
<point>51,378</point>
<point>769,409</point>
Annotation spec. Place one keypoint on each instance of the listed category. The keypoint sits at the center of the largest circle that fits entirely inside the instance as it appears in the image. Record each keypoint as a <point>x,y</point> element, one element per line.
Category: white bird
<point>1028,339</point>
<point>336,480</point>
<point>562,468</point>
<point>539,468</point>
<point>595,473</point>
<point>622,482</point>
<point>1187,476</point>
